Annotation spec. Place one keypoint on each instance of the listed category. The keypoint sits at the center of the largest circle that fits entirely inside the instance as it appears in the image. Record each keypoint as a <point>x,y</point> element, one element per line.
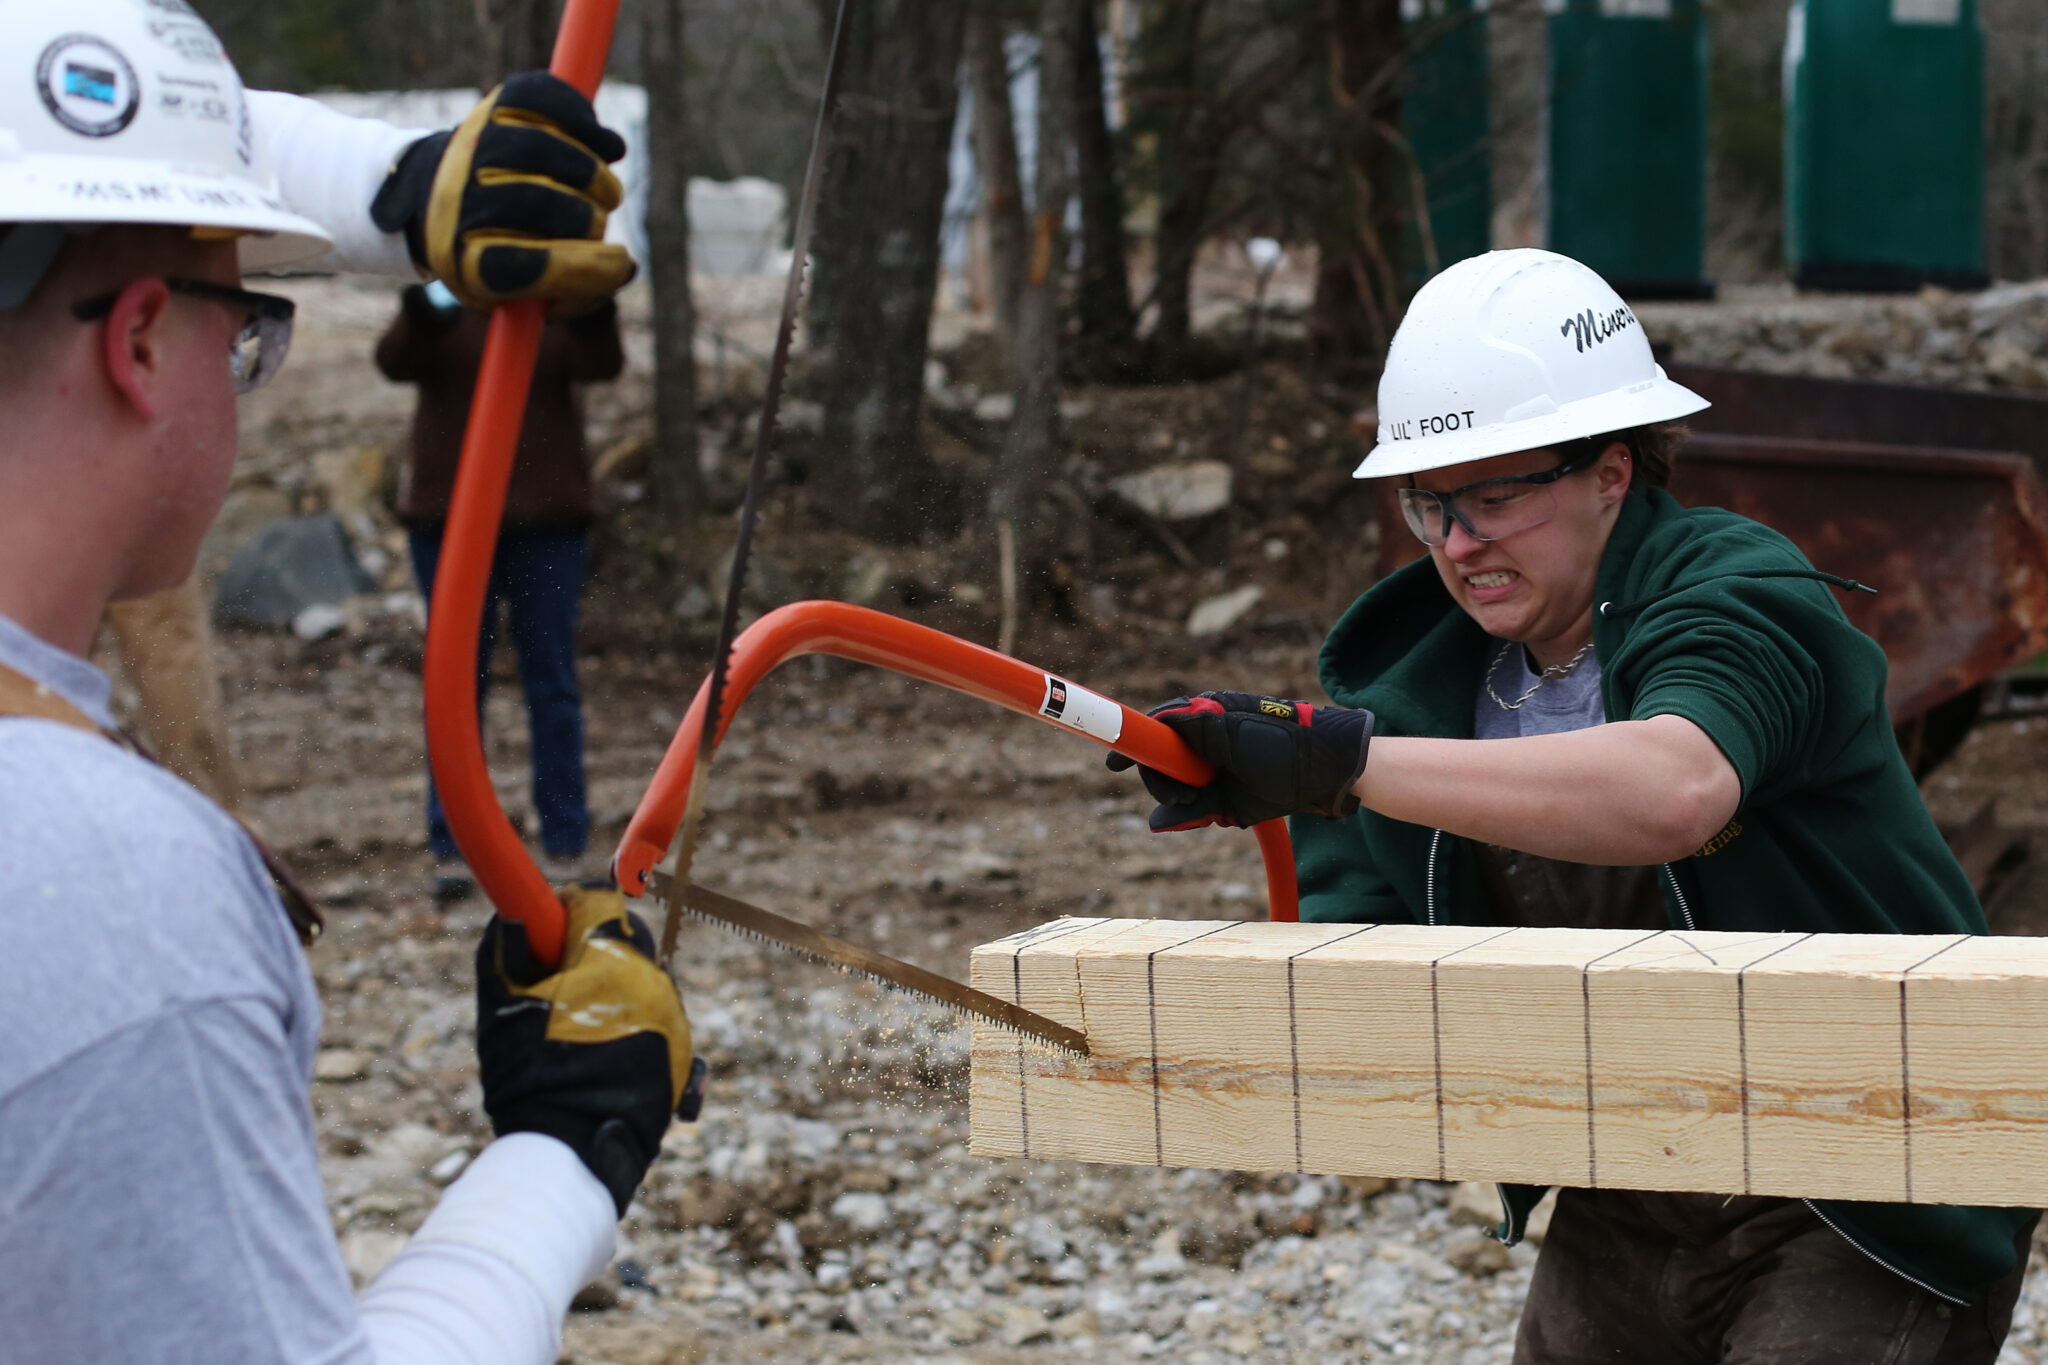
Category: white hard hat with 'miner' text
<point>1509,351</point>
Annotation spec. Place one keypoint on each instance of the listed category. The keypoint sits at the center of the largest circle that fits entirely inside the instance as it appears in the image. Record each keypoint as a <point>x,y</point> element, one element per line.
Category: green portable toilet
<point>1447,115</point>
<point>1884,144</point>
<point>1627,107</point>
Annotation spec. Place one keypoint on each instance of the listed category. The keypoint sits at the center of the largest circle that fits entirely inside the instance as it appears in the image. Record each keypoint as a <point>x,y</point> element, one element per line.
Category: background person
<point>1591,706</point>
<point>543,543</point>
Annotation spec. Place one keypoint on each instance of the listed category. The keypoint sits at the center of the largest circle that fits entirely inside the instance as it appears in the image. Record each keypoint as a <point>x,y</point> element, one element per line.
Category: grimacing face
<point>1535,586</point>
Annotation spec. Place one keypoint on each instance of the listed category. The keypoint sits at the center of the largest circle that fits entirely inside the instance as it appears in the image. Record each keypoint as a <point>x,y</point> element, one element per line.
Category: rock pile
<point>1997,339</point>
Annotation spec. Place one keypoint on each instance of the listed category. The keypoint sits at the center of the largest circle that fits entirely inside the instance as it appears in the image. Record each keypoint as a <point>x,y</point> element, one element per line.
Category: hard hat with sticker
<point>132,113</point>
<point>1510,351</point>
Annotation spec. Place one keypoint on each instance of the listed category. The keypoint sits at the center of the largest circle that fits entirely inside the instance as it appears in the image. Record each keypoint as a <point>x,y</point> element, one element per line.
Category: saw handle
<point>873,637</point>
<point>455,749</point>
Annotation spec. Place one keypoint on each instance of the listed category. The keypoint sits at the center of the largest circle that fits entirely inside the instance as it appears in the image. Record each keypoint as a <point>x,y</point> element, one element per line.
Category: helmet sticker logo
<point>1593,328</point>
<point>88,86</point>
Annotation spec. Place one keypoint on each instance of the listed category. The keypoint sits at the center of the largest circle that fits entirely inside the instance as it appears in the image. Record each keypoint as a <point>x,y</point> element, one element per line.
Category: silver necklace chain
<point>1554,671</point>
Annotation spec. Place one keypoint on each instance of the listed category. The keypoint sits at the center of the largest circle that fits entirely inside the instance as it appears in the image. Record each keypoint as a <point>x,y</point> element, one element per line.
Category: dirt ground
<point>827,1208</point>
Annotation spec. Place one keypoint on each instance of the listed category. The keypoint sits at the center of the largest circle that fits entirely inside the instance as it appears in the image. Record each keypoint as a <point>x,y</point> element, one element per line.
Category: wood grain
<point>1897,1068</point>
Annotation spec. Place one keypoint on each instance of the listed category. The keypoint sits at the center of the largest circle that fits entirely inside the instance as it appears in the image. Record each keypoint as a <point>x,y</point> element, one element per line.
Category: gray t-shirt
<point>1545,892</point>
<point>1560,704</point>
<point>160,1194</point>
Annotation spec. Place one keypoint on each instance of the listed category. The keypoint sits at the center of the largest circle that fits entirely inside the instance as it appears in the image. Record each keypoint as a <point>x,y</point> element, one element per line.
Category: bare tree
<point>677,484</point>
<point>876,256</point>
<point>1035,422</point>
<point>995,154</point>
<point>1186,139</point>
<point>1366,233</point>
<point>517,35</point>
<point>1103,301</point>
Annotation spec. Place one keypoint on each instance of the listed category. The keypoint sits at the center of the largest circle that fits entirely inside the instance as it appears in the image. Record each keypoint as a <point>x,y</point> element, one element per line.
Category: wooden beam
<point>1837,1066</point>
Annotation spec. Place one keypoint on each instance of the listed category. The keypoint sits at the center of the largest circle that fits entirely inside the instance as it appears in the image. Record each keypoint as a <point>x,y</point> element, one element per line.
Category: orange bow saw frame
<point>455,751</point>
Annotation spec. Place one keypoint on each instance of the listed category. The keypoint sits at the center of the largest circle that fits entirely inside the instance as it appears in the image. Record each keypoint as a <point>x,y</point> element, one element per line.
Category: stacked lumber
<point>1895,1068</point>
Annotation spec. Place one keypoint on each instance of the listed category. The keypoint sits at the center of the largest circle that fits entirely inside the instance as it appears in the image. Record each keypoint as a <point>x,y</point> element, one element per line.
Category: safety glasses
<point>257,351</point>
<point>1491,509</point>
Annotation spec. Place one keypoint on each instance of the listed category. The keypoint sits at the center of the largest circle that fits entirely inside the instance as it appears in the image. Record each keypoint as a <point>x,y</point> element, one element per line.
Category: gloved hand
<point>1272,757</point>
<point>512,203</point>
<point>596,1053</point>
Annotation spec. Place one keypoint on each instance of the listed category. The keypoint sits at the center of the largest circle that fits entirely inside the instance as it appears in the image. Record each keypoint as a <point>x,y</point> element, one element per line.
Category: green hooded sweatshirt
<point>1707,615</point>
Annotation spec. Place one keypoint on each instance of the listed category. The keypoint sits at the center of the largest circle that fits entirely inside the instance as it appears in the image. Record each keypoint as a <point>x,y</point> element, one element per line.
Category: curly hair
<point>1656,448</point>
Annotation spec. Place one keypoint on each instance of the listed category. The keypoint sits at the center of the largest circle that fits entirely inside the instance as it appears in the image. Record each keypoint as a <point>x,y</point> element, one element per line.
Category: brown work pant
<point>166,650</point>
<point>1683,1279</point>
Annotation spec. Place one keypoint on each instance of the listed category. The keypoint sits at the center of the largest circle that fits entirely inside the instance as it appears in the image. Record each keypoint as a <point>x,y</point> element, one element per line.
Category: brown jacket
<point>441,353</point>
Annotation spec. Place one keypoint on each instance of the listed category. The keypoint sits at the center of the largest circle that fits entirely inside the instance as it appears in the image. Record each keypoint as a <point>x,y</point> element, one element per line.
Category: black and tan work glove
<point>1272,758</point>
<point>512,203</point>
<point>597,1052</point>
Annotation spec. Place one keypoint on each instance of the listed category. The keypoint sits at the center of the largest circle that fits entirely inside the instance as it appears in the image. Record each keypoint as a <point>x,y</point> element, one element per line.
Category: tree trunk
<point>1035,422</point>
<point>1104,301</point>
<point>1366,236</point>
<point>876,257</point>
<point>995,155</point>
<point>676,482</point>
<point>1184,162</point>
<point>517,35</point>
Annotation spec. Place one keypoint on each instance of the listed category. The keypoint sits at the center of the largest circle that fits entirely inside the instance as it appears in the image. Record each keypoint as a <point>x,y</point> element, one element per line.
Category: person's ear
<point>135,344</point>
<point>1615,474</point>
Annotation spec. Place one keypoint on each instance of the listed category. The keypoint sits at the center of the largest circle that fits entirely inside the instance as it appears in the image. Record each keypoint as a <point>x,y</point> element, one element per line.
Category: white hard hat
<point>128,111</point>
<point>1514,350</point>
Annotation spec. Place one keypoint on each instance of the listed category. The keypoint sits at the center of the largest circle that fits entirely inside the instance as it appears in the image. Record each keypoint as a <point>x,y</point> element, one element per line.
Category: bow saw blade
<point>797,937</point>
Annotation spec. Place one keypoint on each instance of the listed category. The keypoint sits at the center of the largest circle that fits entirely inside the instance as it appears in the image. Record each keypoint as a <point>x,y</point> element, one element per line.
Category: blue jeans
<point>538,574</point>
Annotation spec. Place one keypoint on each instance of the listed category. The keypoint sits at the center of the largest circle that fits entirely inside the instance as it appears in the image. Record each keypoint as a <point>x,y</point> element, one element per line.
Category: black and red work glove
<point>512,203</point>
<point>1272,758</point>
<point>595,1053</point>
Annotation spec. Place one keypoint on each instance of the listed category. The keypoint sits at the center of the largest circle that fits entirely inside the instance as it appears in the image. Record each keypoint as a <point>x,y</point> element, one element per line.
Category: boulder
<point>1218,614</point>
<point>287,567</point>
<point>1178,492</point>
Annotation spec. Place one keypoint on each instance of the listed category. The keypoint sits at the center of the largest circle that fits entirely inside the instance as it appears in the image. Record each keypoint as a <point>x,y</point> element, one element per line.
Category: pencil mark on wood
<point>1294,1033</point>
<point>1906,1067</point>
<point>1586,1020</point>
<point>1436,1034</point>
<point>1152,1008</point>
<point>1017,999</point>
<point>1742,1044</point>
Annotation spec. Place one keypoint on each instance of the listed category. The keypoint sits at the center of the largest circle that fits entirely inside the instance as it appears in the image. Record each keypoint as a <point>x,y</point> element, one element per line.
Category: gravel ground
<point>827,1208</point>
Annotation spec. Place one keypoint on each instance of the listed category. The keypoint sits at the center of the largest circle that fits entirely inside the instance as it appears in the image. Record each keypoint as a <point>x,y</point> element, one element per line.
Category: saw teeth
<point>883,981</point>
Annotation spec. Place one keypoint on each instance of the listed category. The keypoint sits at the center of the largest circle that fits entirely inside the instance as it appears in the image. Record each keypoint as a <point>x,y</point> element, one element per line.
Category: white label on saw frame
<point>1076,707</point>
